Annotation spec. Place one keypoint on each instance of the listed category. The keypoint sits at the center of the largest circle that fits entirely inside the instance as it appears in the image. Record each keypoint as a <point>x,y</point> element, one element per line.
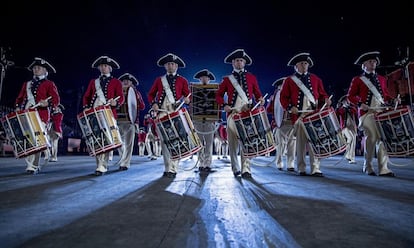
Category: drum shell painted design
<point>100,130</point>
<point>26,132</point>
<point>324,133</point>
<point>177,132</point>
<point>254,132</point>
<point>396,128</point>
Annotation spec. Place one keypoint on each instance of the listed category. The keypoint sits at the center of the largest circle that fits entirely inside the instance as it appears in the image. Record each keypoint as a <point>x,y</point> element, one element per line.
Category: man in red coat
<point>303,91</point>
<point>128,118</point>
<point>104,90</point>
<point>369,92</point>
<point>284,138</point>
<point>164,93</point>
<point>241,87</point>
<point>35,93</point>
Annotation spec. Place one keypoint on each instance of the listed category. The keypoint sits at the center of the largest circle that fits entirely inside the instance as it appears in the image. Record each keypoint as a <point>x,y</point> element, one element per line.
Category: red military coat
<point>45,89</point>
<point>227,86</point>
<point>289,94</point>
<point>155,95</point>
<point>114,90</point>
<point>358,91</point>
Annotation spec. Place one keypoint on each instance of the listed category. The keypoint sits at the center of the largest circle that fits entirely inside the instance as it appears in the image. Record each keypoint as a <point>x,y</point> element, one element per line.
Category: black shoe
<point>389,174</point>
<point>317,174</point>
<point>99,173</point>
<point>280,169</point>
<point>372,174</point>
<point>302,173</point>
<point>123,168</point>
<point>237,174</point>
<point>31,172</point>
<point>247,175</point>
<point>171,174</point>
<point>165,174</point>
<point>291,169</point>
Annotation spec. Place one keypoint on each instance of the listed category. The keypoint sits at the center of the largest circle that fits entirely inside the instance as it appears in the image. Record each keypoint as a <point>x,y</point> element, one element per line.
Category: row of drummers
<point>319,125</point>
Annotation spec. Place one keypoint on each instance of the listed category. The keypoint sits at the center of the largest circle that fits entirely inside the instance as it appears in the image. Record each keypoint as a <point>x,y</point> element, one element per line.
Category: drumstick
<point>324,105</point>
<point>257,104</point>
<point>396,102</point>
<point>182,103</point>
<point>38,104</point>
<point>115,99</point>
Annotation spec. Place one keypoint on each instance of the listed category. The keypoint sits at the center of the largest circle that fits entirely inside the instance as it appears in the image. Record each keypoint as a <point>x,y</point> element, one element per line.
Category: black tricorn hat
<point>43,63</point>
<point>278,81</point>
<point>129,76</point>
<point>206,73</point>
<point>300,57</point>
<point>367,56</point>
<point>105,60</point>
<point>170,58</point>
<point>238,53</point>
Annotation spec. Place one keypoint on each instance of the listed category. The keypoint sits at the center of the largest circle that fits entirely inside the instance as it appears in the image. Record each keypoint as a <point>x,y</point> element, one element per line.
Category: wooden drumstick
<point>324,105</point>
<point>182,103</point>
<point>396,102</point>
<point>115,99</point>
<point>38,104</point>
<point>257,104</point>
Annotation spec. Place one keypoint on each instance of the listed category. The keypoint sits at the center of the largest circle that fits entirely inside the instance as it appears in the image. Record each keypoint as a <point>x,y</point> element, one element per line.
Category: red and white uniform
<point>292,95</point>
<point>359,93</point>
<point>250,86</point>
<point>111,88</point>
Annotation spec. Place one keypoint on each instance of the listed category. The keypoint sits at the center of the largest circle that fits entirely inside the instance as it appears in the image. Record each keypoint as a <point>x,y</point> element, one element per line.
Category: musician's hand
<point>227,108</point>
<point>155,107</point>
<point>17,109</point>
<point>397,100</point>
<point>294,110</point>
<point>112,102</point>
<point>328,102</point>
<point>364,107</point>
<point>245,107</point>
<point>186,100</point>
<point>43,103</point>
<point>262,101</point>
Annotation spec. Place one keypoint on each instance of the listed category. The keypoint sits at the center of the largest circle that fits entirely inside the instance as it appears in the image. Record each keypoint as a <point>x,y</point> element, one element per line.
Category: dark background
<point>71,35</point>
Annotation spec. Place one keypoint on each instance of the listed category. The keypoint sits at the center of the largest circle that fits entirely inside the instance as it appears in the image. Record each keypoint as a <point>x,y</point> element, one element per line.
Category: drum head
<point>132,104</point>
<point>278,109</point>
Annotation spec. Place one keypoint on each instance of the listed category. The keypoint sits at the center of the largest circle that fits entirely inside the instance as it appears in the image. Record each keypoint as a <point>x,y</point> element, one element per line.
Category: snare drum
<point>396,128</point>
<point>254,132</point>
<point>100,130</point>
<point>324,133</point>
<point>177,132</point>
<point>26,132</point>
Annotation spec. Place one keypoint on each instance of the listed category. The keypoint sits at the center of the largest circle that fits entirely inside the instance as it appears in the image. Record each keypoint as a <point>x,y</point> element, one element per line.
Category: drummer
<point>128,127</point>
<point>369,91</point>
<point>285,140</point>
<point>165,92</point>
<point>35,92</point>
<point>241,87</point>
<point>109,92</point>
<point>204,127</point>
<point>303,91</point>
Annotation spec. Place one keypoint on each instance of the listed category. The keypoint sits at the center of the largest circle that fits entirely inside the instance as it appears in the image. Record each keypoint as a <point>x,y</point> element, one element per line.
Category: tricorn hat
<point>367,56</point>
<point>278,81</point>
<point>238,53</point>
<point>206,73</point>
<point>43,63</point>
<point>170,58</point>
<point>129,77</point>
<point>300,57</point>
<point>105,60</point>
